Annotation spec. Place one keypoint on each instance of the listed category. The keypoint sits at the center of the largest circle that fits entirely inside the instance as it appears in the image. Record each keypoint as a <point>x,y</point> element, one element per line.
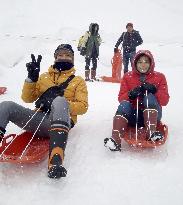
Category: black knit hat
<point>67,47</point>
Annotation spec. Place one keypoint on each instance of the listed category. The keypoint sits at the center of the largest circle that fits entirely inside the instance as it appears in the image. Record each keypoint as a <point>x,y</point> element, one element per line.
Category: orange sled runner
<point>138,138</point>
<point>35,152</point>
<point>116,69</point>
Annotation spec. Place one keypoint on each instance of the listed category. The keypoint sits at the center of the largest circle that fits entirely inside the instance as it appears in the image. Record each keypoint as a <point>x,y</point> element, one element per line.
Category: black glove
<point>83,51</point>
<point>33,68</point>
<point>115,50</point>
<point>149,87</point>
<point>133,94</point>
<point>45,100</point>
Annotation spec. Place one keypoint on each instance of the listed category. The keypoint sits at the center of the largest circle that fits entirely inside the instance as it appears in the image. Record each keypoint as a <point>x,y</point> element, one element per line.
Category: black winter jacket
<point>130,41</point>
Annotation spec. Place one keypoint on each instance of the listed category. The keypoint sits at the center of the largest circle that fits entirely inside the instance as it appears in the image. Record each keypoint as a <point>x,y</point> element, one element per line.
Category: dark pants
<point>94,62</point>
<point>149,102</point>
<point>126,58</point>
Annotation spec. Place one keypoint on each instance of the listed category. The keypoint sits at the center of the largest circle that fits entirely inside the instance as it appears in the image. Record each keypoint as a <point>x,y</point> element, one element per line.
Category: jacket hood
<point>94,28</point>
<point>138,55</point>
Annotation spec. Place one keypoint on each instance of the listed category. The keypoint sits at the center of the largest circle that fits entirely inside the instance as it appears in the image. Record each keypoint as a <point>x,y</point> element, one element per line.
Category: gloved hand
<point>115,50</point>
<point>83,51</point>
<point>45,100</point>
<point>33,68</point>
<point>133,94</point>
<point>149,87</point>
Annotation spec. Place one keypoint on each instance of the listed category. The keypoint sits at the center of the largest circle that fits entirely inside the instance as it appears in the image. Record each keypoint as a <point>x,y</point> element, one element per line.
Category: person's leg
<point>60,126</point>
<point>152,114</point>
<point>87,69</point>
<point>120,122</point>
<point>150,102</point>
<point>126,58</point>
<point>93,70</point>
<point>19,115</point>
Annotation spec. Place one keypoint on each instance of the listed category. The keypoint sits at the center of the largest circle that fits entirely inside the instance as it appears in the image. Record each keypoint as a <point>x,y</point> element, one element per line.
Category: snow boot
<point>58,141</point>
<point>93,74</point>
<point>87,75</point>
<point>150,122</point>
<point>2,132</point>
<point>119,126</point>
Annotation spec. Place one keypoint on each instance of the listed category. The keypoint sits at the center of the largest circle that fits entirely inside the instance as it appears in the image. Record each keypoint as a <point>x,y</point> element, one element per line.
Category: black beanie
<point>67,47</point>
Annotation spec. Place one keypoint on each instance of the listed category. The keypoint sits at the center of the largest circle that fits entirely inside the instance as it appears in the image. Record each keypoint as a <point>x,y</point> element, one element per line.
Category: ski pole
<point>137,116</point>
<point>19,132</point>
<point>148,116</point>
<point>33,135</point>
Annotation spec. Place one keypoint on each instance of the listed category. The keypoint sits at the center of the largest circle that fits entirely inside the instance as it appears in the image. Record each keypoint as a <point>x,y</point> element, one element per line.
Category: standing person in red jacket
<point>143,89</point>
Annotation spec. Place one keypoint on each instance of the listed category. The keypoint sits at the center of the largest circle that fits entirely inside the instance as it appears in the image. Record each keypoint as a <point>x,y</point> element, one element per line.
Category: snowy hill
<point>95,175</point>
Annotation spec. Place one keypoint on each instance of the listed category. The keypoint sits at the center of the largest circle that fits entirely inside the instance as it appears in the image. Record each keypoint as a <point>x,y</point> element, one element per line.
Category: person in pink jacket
<point>143,89</point>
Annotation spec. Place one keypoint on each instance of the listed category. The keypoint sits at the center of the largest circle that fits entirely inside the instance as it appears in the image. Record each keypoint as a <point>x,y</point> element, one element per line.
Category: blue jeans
<point>126,109</point>
<point>126,58</point>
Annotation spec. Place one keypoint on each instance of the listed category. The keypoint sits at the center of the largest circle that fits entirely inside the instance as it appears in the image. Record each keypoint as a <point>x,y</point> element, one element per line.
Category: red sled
<point>2,90</point>
<point>35,152</point>
<point>138,139</point>
<point>116,69</point>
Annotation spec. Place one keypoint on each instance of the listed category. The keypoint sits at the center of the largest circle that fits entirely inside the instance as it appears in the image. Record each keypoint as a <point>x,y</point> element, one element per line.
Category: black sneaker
<point>156,136</point>
<point>57,171</point>
<point>111,144</point>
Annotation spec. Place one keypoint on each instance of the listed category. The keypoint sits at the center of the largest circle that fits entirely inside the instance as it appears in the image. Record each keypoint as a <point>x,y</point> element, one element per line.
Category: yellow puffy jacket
<point>76,93</point>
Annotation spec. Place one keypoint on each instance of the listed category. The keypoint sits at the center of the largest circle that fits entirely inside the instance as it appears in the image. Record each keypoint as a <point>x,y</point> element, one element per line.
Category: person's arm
<point>162,91</point>
<point>79,105</point>
<point>123,93</point>
<point>139,40</point>
<point>30,91</point>
<point>119,41</point>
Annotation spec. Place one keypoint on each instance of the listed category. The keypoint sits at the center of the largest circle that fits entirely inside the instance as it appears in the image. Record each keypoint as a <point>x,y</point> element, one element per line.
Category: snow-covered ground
<point>95,175</point>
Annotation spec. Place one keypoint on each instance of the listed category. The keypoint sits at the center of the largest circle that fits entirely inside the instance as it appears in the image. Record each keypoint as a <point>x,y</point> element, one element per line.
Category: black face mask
<point>63,65</point>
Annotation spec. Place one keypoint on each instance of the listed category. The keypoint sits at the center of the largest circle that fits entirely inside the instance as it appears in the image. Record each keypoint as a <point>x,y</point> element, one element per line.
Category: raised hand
<point>33,68</point>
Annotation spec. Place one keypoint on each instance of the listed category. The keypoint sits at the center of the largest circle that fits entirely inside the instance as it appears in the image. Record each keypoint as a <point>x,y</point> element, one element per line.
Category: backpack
<point>82,45</point>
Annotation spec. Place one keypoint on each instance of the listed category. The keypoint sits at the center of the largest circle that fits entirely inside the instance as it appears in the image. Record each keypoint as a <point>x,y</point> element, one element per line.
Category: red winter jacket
<point>131,80</point>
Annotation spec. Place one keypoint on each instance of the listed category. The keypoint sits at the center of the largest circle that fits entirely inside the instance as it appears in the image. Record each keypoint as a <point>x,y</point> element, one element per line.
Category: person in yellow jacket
<point>59,95</point>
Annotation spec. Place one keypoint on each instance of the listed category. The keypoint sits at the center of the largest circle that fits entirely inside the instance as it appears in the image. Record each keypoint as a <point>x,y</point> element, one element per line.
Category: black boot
<point>58,141</point>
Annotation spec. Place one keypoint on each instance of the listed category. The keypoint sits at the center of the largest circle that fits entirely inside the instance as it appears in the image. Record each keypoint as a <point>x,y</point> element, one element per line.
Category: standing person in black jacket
<point>131,39</point>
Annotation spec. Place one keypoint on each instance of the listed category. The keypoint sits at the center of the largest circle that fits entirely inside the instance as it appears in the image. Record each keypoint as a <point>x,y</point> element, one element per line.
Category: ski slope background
<point>95,175</point>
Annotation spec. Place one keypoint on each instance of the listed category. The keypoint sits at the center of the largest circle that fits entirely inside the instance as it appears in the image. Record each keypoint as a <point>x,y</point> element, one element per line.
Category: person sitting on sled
<point>60,107</point>
<point>143,89</point>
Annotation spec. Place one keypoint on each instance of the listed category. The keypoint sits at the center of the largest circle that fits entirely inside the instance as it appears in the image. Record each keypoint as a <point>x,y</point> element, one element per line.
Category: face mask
<point>63,65</point>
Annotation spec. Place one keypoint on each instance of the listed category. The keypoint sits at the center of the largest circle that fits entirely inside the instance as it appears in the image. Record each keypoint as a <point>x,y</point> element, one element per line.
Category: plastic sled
<point>139,140</point>
<point>116,69</point>
<point>2,90</point>
<point>36,151</point>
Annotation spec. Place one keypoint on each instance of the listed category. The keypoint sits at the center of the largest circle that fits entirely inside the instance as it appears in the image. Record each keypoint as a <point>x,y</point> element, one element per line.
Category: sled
<point>116,69</point>
<point>36,151</point>
<point>139,140</point>
<point>2,90</point>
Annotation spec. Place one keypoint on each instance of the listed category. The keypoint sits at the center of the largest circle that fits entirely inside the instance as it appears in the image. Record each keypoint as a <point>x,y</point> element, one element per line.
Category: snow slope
<point>95,175</point>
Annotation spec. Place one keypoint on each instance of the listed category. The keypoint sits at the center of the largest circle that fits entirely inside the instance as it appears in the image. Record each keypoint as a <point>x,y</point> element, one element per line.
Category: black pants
<point>94,62</point>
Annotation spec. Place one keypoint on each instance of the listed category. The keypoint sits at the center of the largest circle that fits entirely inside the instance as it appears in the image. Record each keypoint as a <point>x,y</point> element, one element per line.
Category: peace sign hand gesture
<point>33,68</point>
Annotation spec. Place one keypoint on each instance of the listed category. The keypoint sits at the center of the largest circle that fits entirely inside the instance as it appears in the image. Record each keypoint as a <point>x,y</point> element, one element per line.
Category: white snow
<point>96,176</point>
